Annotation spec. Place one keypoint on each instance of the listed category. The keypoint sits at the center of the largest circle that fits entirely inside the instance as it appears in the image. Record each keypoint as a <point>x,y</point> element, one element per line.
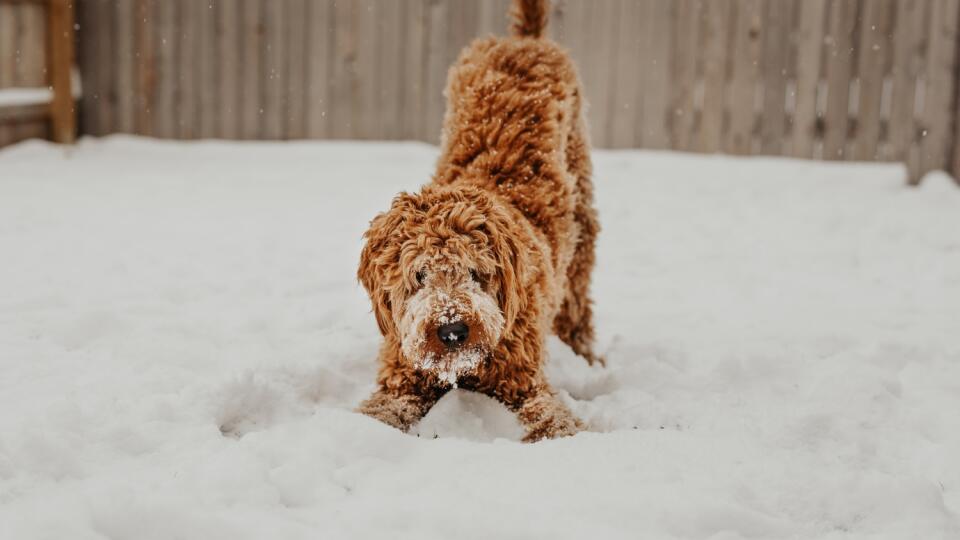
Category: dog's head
<point>444,269</point>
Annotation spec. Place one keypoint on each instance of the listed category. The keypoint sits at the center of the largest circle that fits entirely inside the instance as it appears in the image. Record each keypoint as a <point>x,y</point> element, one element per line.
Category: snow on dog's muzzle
<point>449,330</point>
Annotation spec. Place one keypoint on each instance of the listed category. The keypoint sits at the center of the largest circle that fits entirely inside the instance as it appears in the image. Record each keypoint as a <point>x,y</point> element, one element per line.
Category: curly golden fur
<point>468,276</point>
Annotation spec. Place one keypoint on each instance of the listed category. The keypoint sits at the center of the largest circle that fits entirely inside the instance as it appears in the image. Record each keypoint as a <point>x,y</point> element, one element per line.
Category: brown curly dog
<point>469,275</point>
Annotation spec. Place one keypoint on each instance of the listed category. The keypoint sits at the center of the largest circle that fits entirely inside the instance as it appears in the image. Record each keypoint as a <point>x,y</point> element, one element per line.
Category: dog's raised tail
<point>529,17</point>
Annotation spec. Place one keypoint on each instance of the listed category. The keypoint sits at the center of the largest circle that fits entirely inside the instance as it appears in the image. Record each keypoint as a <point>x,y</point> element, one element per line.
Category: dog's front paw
<point>400,412</point>
<point>546,417</point>
<point>553,427</point>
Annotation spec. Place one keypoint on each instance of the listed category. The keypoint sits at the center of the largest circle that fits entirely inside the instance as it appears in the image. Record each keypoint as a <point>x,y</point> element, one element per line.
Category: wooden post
<point>63,114</point>
<point>942,75</point>
<point>906,69</point>
<point>953,165</point>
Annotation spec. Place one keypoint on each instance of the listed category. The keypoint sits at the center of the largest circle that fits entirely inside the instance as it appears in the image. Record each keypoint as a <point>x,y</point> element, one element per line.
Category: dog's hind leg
<point>574,322</point>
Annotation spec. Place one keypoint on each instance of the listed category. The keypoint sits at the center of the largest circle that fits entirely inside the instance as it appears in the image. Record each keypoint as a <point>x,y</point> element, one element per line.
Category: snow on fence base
<point>182,342</point>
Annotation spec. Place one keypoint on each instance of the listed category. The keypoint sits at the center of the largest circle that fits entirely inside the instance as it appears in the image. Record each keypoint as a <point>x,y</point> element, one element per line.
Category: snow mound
<point>182,344</point>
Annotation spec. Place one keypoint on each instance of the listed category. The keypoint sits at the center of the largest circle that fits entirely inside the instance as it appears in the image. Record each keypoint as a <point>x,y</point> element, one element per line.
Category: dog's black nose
<point>453,334</point>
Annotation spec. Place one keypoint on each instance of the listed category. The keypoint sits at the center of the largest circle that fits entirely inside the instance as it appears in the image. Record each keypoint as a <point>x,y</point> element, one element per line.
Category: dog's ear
<point>378,261</point>
<point>512,253</point>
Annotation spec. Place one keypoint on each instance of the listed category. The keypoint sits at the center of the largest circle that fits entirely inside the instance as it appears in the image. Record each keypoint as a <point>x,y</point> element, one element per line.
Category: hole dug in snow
<point>259,399</point>
<point>247,404</point>
<point>569,372</point>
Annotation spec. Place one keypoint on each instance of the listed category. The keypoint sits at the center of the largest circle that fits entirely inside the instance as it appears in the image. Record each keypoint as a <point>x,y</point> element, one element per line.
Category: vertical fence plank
<point>492,17</point>
<point>344,53</point>
<point>436,69</point>
<point>125,79</point>
<point>874,50</point>
<point>8,44</point>
<point>188,39</point>
<point>273,75</point>
<point>165,120</point>
<point>412,94</point>
<point>7,51</point>
<point>774,67</point>
<point>31,71</point>
<point>229,69</point>
<point>603,29</point>
<point>251,66</point>
<point>941,77</point>
<point>63,118</point>
<point>654,62</point>
<point>485,24</point>
<point>627,76</point>
<point>685,47</point>
<point>906,70</point>
<point>452,30</point>
<point>31,65</point>
<point>809,52</point>
<point>390,53</point>
<point>559,23</point>
<point>107,69</point>
<point>295,30</point>
<point>843,17</point>
<point>745,72</point>
<point>716,22</point>
<point>89,120</point>
<point>365,109</point>
<point>575,25</point>
<point>146,66</point>
<point>206,67</point>
<point>568,25</point>
<point>320,41</point>
<point>461,28</point>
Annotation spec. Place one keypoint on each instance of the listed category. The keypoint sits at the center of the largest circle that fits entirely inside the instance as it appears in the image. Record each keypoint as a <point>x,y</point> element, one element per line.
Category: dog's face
<point>442,268</point>
<point>447,321</point>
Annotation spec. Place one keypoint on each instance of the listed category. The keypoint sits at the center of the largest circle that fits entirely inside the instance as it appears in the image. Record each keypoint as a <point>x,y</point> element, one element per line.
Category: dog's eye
<point>421,276</point>
<point>477,278</point>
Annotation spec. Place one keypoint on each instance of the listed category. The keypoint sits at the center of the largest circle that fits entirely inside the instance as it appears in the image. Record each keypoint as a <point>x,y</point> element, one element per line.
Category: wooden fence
<point>830,79</point>
<point>36,59</point>
<point>22,50</point>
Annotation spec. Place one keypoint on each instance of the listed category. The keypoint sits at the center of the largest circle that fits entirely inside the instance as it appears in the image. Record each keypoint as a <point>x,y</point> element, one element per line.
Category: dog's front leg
<point>544,415</point>
<point>398,408</point>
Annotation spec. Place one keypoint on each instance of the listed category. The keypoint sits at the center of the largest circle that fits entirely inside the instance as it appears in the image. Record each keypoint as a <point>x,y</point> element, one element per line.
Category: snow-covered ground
<point>182,341</point>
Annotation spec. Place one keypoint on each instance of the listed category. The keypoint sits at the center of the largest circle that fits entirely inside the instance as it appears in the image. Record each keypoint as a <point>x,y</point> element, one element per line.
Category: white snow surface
<point>183,340</point>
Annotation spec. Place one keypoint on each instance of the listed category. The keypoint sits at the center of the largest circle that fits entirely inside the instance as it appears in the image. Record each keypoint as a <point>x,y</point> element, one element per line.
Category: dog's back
<point>514,125</point>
